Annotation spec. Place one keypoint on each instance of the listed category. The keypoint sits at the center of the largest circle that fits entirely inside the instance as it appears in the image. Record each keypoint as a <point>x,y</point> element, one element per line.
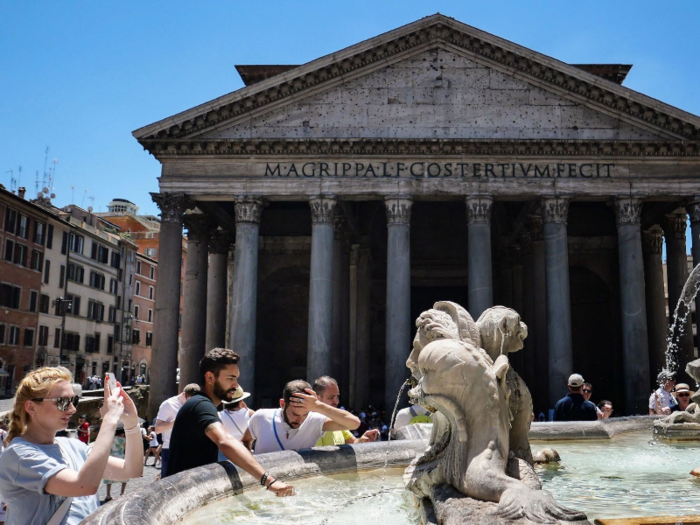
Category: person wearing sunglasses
<point>52,480</point>
<point>682,394</point>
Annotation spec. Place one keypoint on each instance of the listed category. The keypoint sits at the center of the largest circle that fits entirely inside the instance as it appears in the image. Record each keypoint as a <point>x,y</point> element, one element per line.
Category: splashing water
<point>391,424</point>
<point>680,315</point>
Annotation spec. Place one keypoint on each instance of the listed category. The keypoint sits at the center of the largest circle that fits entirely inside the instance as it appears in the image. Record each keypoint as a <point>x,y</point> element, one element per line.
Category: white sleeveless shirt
<point>235,422</point>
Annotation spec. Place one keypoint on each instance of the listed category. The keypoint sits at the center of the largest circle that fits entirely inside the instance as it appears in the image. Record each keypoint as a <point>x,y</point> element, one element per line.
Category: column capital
<point>398,209</point>
<point>479,208</point>
<point>675,225</point>
<point>220,241</point>
<point>694,210</point>
<point>322,209</point>
<point>652,240</point>
<point>249,209</point>
<point>535,227</point>
<point>628,210</point>
<point>556,209</point>
<point>199,226</point>
<point>172,206</point>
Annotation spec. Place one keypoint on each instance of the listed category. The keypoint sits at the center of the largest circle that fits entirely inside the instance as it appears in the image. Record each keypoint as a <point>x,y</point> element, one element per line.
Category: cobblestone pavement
<point>149,476</point>
<point>6,405</point>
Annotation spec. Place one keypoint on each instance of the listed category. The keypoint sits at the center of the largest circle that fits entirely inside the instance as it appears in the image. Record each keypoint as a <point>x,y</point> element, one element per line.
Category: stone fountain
<point>478,465</point>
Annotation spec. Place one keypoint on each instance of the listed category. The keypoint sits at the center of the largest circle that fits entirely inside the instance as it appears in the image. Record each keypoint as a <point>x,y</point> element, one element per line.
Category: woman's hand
<point>113,406</point>
<point>130,416</point>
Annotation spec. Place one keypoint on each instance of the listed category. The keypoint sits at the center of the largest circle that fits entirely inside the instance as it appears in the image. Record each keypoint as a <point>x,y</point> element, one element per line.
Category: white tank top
<point>235,422</point>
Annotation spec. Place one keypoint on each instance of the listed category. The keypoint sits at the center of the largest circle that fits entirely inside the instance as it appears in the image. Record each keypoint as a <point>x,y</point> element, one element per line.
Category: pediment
<point>434,78</point>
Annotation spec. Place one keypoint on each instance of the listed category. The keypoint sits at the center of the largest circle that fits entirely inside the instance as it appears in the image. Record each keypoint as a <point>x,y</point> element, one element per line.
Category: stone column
<point>244,299</point>
<point>657,322</point>
<point>194,320</point>
<point>217,289</point>
<point>635,342</point>
<point>398,295</point>
<point>360,282</point>
<point>556,249</point>
<point>528,313</point>
<point>318,360</point>
<point>694,211</point>
<point>677,273</point>
<point>341,268</point>
<point>539,330</point>
<point>480,285</point>
<point>167,314</point>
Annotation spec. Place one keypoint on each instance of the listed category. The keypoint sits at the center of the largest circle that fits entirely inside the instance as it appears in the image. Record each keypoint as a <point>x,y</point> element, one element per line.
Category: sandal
<point>108,498</point>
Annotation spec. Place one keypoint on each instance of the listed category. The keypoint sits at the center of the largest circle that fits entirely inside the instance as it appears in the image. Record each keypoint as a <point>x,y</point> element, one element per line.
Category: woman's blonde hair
<point>37,383</point>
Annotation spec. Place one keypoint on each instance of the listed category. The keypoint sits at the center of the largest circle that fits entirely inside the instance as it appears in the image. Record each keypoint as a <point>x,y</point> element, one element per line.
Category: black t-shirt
<point>189,445</point>
<point>574,407</point>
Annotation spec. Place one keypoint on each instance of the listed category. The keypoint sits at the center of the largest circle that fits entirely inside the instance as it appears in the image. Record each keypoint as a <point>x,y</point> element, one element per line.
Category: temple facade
<point>328,204</point>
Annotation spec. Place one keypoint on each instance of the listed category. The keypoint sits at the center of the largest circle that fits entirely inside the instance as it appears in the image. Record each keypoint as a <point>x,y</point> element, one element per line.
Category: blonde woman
<point>52,480</point>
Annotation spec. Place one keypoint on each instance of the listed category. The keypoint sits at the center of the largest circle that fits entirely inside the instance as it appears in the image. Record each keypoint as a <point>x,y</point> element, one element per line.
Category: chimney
<point>21,191</point>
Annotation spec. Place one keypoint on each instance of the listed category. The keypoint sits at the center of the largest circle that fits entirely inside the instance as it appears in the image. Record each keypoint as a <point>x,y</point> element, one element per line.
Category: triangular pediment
<point>434,78</point>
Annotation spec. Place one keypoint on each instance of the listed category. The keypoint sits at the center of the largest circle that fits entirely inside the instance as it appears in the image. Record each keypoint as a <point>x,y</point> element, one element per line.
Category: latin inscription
<point>434,170</point>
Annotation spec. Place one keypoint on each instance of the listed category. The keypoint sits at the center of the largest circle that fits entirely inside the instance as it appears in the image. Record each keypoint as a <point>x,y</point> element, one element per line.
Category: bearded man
<point>198,434</point>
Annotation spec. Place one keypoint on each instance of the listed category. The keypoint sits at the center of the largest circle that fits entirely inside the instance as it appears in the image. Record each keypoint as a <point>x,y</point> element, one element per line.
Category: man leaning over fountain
<point>299,422</point>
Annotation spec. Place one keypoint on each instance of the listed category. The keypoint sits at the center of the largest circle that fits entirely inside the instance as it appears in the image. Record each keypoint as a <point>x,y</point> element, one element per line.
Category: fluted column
<point>539,330</point>
<point>677,273</point>
<point>318,360</point>
<point>635,342</point>
<point>341,288</point>
<point>217,289</point>
<point>694,212</point>
<point>528,312</point>
<point>559,342</point>
<point>166,320</point>
<point>657,323</point>
<point>244,299</point>
<point>194,321</point>
<point>398,295</point>
<point>480,285</point>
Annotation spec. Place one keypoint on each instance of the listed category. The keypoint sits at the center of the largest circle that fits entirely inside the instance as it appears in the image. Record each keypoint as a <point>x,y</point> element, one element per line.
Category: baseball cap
<point>575,380</point>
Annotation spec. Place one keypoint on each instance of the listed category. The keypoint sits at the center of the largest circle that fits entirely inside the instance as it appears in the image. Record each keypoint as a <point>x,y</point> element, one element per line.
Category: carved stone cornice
<point>441,32</point>
<point>322,209</point>
<point>653,240</point>
<point>694,211</point>
<point>556,209</point>
<point>479,209</point>
<point>220,241</point>
<point>199,226</point>
<point>628,210</point>
<point>249,209</point>
<point>675,226</point>
<point>172,206</point>
<point>398,210</point>
<point>535,227</point>
<point>163,148</point>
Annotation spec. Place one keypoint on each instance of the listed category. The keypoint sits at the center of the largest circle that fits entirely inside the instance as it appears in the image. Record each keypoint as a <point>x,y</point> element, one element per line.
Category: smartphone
<point>112,381</point>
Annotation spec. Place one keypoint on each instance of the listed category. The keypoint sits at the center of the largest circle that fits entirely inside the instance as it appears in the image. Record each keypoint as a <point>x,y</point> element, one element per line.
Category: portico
<point>434,162</point>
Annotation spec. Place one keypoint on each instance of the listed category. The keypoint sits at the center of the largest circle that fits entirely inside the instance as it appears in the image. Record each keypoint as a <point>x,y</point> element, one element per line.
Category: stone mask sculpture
<point>462,373</point>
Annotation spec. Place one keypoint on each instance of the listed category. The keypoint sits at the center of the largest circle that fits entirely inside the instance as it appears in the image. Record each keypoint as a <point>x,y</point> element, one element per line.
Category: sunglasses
<point>587,391</point>
<point>682,395</point>
<point>62,403</point>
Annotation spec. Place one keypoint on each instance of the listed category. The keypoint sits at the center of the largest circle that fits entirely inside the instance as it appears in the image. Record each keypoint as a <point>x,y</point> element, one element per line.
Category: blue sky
<point>80,76</point>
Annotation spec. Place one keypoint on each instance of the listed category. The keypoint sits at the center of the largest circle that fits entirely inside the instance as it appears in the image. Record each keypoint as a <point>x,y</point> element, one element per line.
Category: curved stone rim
<point>601,429</point>
<point>169,500</point>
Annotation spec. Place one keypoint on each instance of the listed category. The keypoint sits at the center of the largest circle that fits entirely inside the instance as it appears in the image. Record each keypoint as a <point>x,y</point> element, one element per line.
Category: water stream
<point>680,316</point>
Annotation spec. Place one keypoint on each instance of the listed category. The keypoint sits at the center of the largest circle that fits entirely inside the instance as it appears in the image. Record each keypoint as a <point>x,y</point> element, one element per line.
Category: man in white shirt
<point>661,401</point>
<point>299,422</point>
<point>167,412</point>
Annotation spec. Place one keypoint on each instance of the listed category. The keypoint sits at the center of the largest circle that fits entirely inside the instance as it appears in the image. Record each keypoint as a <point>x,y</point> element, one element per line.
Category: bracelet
<point>264,479</point>
<point>132,430</point>
<point>274,480</point>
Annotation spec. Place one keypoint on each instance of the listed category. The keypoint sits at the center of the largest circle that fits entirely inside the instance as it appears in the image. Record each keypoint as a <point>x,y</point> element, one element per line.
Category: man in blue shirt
<point>573,407</point>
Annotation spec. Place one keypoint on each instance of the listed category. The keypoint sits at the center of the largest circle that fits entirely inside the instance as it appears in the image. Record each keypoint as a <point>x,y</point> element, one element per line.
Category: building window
<point>9,250</point>
<point>20,256</point>
<point>92,343</point>
<point>113,286</point>
<point>10,220</point>
<point>103,254</point>
<point>112,315</point>
<point>150,292</point>
<point>76,273</point>
<point>152,252</point>
<point>47,271</point>
<point>72,341</point>
<point>33,300</point>
<point>76,243</point>
<point>117,333</point>
<point>23,230</point>
<point>13,340</point>
<point>138,288</point>
<point>61,276</point>
<point>57,338</point>
<point>116,259</point>
<point>119,302</point>
<point>110,344</point>
<point>39,229</point>
<point>130,301</point>
<point>36,263</point>
<point>150,315</point>
<point>136,311</point>
<point>44,301</point>
<point>149,338</point>
<point>136,337</point>
<point>43,335</point>
<point>29,337</point>
<point>138,267</point>
<point>74,305</point>
<point>97,280</point>
<point>3,328</point>
<point>96,311</point>
<point>10,295</point>
<point>49,237</point>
